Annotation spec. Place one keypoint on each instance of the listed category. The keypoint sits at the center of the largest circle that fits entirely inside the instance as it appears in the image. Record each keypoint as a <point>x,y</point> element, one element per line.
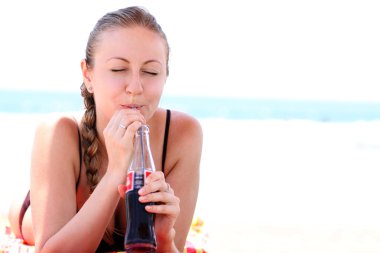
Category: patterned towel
<point>196,241</point>
<point>197,238</point>
<point>9,243</point>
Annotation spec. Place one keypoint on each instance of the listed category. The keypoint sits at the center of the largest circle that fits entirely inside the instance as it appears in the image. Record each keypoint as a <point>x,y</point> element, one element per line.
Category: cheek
<point>104,108</point>
<point>153,95</point>
<point>111,81</point>
<point>108,86</point>
<point>155,90</point>
<point>106,92</point>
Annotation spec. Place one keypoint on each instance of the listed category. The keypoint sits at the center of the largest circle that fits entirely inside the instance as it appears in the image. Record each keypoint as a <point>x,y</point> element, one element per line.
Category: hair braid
<point>127,17</point>
<point>90,139</point>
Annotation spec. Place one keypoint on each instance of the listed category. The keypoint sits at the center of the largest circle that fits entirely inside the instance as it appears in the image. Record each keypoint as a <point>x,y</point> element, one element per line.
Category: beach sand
<point>266,186</point>
<point>291,186</point>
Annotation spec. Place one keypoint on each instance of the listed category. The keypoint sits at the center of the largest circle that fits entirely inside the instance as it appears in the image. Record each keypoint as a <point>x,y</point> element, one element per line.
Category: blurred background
<point>257,49</point>
<point>287,93</point>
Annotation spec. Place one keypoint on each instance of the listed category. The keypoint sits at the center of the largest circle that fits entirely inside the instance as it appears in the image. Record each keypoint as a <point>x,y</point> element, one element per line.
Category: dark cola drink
<point>140,235</point>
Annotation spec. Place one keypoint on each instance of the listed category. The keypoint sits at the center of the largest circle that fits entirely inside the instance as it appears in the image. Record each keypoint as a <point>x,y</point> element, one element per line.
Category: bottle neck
<point>142,158</point>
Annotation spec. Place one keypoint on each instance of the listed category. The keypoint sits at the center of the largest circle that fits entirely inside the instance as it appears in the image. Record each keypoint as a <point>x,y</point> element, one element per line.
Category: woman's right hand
<point>119,135</point>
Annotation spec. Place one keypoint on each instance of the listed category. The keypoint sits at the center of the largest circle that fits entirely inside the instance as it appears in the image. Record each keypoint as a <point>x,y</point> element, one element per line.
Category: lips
<point>132,106</point>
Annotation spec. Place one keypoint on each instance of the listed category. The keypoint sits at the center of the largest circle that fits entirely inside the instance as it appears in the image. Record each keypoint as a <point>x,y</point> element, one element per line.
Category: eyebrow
<point>117,58</point>
<point>125,60</point>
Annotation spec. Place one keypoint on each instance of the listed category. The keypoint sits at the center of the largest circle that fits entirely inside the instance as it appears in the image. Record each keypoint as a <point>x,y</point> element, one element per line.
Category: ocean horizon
<point>24,101</point>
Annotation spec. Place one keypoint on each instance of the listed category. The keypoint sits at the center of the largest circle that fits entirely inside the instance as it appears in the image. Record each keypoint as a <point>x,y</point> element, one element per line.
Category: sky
<point>296,49</point>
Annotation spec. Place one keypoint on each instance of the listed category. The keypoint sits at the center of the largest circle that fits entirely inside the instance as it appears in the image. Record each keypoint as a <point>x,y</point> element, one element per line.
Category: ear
<point>86,73</point>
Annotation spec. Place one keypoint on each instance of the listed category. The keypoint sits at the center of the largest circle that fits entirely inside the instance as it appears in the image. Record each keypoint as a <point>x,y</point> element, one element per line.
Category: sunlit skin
<point>127,81</point>
<point>142,67</point>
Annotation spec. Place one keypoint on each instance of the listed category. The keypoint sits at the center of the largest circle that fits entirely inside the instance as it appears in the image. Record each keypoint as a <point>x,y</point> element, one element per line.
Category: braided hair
<point>122,18</point>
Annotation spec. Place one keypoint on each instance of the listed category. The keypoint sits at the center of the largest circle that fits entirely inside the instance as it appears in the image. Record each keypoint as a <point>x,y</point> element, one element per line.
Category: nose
<point>134,85</point>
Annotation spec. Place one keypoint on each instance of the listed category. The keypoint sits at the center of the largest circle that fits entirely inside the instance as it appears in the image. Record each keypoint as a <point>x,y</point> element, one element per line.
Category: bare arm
<point>57,225</point>
<point>175,205</point>
<point>185,147</point>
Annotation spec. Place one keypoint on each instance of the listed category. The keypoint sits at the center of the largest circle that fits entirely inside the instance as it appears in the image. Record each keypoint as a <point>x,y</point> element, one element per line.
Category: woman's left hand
<point>166,204</point>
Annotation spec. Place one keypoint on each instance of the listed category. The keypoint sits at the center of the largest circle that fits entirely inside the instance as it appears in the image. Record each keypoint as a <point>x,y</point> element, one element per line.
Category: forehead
<point>131,43</point>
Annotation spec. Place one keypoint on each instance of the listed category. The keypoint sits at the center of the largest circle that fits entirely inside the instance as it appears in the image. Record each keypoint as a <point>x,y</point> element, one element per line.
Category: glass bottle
<point>140,235</point>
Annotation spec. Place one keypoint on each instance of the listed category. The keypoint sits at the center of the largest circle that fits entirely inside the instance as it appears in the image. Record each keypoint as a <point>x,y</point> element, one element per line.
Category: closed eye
<point>117,70</point>
<point>150,73</point>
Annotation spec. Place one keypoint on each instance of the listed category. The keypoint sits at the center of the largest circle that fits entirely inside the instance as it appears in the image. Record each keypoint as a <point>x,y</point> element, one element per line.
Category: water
<point>14,101</point>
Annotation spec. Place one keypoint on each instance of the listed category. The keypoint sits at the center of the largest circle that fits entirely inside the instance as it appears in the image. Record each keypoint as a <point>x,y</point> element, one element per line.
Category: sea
<point>31,101</point>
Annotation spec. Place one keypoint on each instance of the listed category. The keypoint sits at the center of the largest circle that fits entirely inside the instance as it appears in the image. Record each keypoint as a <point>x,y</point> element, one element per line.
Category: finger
<point>126,114</point>
<point>131,130</point>
<point>125,121</point>
<point>159,197</point>
<point>154,186</point>
<point>117,124</point>
<point>121,128</point>
<point>169,189</point>
<point>155,176</point>
<point>163,209</point>
<point>112,122</point>
<point>122,118</point>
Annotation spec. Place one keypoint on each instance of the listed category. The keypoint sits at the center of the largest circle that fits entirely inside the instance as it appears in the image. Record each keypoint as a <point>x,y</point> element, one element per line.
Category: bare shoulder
<point>54,171</point>
<point>185,126</point>
<point>57,138</point>
<point>57,126</point>
<point>183,171</point>
<point>185,142</point>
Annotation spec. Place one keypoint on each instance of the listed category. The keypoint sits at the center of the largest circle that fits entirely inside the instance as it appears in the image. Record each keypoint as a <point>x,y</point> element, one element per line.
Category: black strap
<point>24,207</point>
<point>80,159</point>
<point>167,125</point>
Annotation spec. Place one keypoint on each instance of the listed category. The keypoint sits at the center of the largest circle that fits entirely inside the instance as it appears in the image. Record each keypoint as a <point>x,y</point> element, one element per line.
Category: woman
<point>77,169</point>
